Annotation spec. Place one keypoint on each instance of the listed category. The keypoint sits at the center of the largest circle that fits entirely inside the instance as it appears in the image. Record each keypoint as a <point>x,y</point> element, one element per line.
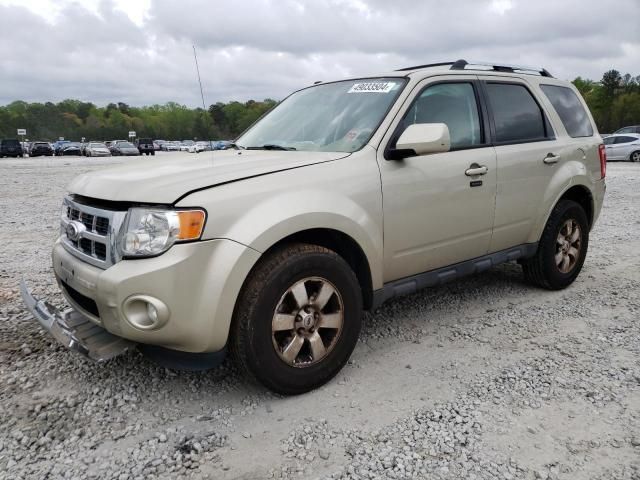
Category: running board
<point>409,285</point>
<point>74,330</point>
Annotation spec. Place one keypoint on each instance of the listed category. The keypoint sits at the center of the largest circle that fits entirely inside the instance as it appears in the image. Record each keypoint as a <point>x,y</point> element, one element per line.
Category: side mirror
<point>424,138</point>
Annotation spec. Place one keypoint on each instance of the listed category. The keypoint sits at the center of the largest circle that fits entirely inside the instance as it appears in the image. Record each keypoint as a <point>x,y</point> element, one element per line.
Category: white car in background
<point>625,146</point>
<point>185,145</point>
<point>199,147</point>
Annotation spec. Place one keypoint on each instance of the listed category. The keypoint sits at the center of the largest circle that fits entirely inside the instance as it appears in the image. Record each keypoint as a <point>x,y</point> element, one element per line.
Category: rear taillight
<point>603,160</point>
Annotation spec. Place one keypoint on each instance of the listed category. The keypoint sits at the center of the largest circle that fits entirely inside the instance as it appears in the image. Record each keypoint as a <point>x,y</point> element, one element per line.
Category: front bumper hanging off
<point>75,331</point>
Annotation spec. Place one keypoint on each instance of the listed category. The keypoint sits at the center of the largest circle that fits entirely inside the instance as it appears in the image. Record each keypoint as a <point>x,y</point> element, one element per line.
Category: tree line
<point>74,119</point>
<point>614,102</point>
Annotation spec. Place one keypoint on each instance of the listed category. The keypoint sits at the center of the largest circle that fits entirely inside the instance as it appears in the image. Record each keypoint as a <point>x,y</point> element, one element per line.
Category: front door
<point>435,213</point>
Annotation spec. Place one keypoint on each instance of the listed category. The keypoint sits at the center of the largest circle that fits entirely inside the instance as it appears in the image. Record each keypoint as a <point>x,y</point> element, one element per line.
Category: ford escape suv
<point>345,195</point>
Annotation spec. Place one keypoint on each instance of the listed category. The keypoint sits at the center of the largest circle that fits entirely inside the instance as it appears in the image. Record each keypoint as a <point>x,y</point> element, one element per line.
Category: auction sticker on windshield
<point>372,87</point>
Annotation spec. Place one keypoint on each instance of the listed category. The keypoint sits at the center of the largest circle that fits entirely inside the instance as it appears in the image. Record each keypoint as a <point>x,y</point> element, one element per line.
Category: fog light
<point>145,312</point>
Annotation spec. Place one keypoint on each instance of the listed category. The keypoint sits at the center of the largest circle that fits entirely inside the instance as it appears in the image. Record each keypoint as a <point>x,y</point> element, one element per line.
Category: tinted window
<point>609,140</point>
<point>453,104</point>
<point>570,110</point>
<point>625,139</point>
<point>11,143</point>
<point>517,116</point>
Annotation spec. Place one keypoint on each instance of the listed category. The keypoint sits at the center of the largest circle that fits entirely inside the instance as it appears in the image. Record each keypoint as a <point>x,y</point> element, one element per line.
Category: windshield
<point>334,117</point>
<point>125,145</point>
<point>97,145</point>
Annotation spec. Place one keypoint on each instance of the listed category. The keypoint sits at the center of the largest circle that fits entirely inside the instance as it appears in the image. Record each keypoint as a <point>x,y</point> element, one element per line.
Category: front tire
<point>297,318</point>
<point>562,248</point>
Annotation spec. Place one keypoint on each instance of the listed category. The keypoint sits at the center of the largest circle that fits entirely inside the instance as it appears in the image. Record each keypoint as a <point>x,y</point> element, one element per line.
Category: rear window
<point>11,143</point>
<point>570,110</point>
<point>145,140</point>
<point>517,116</point>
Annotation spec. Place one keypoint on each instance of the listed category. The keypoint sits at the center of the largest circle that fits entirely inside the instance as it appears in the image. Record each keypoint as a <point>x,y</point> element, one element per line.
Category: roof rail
<point>417,67</point>
<point>464,65</point>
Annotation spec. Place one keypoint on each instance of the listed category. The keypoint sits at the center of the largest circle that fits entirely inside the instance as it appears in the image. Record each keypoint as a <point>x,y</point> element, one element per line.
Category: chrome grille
<point>96,241</point>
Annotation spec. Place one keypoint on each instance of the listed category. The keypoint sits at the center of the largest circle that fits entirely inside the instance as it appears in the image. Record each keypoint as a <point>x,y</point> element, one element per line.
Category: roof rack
<point>464,65</point>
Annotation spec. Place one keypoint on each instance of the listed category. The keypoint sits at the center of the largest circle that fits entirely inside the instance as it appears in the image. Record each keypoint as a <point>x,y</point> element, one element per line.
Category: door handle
<point>475,169</point>
<point>551,158</point>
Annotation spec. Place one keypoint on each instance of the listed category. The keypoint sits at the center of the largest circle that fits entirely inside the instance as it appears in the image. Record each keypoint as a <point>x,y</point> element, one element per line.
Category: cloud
<point>266,48</point>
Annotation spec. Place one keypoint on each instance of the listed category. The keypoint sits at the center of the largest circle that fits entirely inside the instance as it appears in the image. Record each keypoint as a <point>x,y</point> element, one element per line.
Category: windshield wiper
<point>270,146</point>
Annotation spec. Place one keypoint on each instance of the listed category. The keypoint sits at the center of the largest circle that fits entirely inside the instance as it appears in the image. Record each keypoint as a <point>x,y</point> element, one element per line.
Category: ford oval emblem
<point>74,230</point>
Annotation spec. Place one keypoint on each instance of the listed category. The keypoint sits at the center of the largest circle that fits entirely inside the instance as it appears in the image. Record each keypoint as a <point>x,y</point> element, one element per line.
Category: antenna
<point>204,107</point>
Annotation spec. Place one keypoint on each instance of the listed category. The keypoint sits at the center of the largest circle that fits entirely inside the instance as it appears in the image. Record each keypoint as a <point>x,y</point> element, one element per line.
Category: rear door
<point>527,151</point>
<point>623,146</point>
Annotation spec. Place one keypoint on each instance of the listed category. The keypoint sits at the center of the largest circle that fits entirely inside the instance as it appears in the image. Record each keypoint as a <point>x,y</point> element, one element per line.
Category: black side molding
<point>409,285</point>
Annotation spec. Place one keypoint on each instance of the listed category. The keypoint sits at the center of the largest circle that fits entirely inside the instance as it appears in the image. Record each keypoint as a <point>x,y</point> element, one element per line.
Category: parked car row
<point>95,148</point>
<point>192,146</point>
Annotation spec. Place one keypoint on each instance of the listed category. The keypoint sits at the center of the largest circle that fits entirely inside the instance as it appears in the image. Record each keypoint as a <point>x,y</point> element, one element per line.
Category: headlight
<point>151,231</point>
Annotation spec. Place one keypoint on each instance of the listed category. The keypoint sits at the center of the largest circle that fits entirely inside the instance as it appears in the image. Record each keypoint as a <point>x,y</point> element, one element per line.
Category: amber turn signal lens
<point>191,224</point>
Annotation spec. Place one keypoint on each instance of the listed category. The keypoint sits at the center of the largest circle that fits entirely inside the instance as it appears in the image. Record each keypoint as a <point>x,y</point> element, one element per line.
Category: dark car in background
<point>121,147</point>
<point>146,147</point>
<point>69,148</point>
<point>57,146</point>
<point>10,148</point>
<point>38,149</point>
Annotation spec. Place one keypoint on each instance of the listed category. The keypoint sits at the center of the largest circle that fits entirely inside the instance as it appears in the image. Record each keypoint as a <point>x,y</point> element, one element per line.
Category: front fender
<point>344,195</point>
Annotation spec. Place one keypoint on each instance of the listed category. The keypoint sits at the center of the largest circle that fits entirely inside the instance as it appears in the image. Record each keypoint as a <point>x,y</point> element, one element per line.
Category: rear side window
<point>11,143</point>
<point>625,139</point>
<point>517,116</point>
<point>570,110</point>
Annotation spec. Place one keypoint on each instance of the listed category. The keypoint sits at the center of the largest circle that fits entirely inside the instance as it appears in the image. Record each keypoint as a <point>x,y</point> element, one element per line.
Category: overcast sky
<point>140,51</point>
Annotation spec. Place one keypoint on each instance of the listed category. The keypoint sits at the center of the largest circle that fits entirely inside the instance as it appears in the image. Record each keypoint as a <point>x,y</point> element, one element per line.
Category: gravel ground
<point>487,378</point>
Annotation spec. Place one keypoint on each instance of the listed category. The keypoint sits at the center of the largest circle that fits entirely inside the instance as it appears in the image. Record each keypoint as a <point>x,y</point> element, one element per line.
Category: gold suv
<point>345,195</point>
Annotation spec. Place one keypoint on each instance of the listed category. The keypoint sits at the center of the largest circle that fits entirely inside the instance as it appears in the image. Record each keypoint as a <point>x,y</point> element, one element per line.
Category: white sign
<point>82,141</point>
<point>22,131</point>
<point>372,87</point>
<point>132,134</point>
<point>61,138</point>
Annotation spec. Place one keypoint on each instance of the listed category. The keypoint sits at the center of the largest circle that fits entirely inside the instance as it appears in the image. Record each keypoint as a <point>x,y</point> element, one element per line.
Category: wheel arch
<point>583,197</point>
<point>345,246</point>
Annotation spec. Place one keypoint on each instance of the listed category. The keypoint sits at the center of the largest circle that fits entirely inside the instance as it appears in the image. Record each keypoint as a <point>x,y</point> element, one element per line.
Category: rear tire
<point>635,156</point>
<point>562,248</point>
<point>297,318</point>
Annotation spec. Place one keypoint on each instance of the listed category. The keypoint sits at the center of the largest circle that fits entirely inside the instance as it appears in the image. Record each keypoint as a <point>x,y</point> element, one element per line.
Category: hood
<point>165,180</point>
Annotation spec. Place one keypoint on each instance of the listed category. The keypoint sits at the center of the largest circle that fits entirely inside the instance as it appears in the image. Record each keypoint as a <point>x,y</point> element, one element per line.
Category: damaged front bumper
<point>74,330</point>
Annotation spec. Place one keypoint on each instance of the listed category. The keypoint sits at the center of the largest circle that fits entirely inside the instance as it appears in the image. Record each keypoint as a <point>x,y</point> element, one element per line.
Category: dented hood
<point>164,180</point>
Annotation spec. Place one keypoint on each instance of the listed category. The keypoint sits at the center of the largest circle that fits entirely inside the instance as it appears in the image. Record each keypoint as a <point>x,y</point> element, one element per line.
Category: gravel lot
<point>487,378</point>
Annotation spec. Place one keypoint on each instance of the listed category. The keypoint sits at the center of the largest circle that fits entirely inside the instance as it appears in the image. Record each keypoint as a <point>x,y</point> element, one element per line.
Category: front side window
<point>609,140</point>
<point>338,117</point>
<point>570,110</point>
<point>517,116</point>
<point>453,104</point>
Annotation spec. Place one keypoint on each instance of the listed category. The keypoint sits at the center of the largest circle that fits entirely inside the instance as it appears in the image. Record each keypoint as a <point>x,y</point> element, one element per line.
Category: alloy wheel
<point>307,322</point>
<point>568,246</point>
